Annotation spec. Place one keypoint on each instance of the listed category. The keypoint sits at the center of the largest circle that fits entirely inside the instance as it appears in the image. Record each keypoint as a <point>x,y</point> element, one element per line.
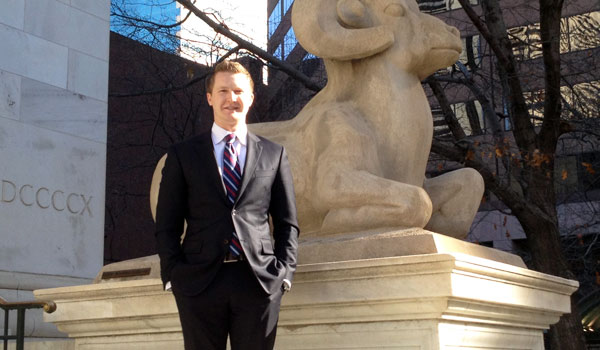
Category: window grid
<point>437,6</point>
<point>286,5</point>
<point>274,19</point>
<point>579,32</point>
<point>289,42</point>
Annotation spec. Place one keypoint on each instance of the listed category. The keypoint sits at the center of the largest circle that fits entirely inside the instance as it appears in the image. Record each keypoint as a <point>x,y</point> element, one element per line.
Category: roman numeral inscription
<point>44,198</point>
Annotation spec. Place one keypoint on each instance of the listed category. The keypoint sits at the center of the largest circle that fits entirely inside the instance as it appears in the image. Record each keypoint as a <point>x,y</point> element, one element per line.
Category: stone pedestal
<point>440,298</point>
<point>121,315</point>
<point>431,301</point>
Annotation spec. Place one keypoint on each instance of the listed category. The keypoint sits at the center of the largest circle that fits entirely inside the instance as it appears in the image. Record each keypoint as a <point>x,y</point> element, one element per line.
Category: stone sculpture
<point>359,148</point>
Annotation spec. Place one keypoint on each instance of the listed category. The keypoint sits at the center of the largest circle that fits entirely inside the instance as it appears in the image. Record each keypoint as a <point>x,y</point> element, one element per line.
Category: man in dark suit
<point>227,275</point>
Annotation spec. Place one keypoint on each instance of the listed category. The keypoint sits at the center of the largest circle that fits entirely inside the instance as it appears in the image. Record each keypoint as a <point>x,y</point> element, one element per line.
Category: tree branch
<point>222,29</point>
<point>495,33</point>
<point>550,11</point>
<point>511,198</point>
<point>449,116</point>
<point>154,24</point>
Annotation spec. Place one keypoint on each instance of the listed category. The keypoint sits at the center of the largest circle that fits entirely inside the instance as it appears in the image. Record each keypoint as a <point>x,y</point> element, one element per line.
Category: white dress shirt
<point>218,134</point>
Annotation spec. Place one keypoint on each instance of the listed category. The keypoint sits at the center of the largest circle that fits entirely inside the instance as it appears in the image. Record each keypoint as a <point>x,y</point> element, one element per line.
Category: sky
<point>247,18</point>
<point>158,11</point>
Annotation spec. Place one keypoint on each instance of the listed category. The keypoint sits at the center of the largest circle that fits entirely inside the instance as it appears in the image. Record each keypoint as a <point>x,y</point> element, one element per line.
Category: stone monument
<point>369,276</point>
<point>53,116</point>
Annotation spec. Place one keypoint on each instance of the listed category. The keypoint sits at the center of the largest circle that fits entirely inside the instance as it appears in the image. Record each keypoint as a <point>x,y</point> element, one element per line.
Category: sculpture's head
<point>353,29</point>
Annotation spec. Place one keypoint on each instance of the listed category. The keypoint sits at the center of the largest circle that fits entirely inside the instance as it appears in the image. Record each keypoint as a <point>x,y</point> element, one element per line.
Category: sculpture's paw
<point>410,206</point>
<point>456,197</point>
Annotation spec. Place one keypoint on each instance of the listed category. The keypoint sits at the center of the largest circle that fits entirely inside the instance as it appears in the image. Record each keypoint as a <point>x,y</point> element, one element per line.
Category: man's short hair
<point>228,67</point>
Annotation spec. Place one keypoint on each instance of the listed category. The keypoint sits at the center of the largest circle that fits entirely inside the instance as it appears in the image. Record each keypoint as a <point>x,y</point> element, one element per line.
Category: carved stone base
<point>123,315</point>
<point>36,344</point>
<point>441,298</point>
<point>434,301</point>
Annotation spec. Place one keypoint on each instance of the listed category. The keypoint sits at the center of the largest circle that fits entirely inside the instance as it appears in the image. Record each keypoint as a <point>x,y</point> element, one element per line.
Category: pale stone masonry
<point>53,117</point>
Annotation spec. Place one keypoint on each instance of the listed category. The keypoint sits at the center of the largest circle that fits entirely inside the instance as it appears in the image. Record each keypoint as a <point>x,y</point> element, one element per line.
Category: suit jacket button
<point>225,241</point>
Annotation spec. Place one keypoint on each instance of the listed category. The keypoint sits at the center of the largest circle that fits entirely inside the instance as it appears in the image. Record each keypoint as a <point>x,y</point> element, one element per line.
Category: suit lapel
<point>206,157</point>
<point>253,151</point>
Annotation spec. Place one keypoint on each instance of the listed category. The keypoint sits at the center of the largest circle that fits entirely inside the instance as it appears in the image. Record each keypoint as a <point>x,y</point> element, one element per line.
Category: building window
<point>309,56</point>
<point>440,127</point>
<point>281,8</point>
<point>579,101</point>
<point>454,4</point>
<point>526,41</point>
<point>289,42</point>
<point>470,116</point>
<point>278,52</point>
<point>577,172</point>
<point>588,164</point>
<point>578,33</point>
<point>506,112</point>
<point>535,102</point>
<point>429,6</point>
<point>471,53</point>
<point>275,19</point>
<point>566,175</point>
<point>436,6</point>
<point>286,5</point>
<point>470,56</point>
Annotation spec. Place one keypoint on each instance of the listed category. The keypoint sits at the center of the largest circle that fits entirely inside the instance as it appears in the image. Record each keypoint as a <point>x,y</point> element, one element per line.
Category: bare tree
<point>526,117</point>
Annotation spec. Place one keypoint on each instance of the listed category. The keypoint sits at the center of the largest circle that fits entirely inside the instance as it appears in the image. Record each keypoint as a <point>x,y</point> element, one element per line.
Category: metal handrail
<point>21,307</point>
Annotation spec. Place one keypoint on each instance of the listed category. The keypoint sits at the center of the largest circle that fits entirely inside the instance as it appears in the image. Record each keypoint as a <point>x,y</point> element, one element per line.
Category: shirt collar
<point>218,133</point>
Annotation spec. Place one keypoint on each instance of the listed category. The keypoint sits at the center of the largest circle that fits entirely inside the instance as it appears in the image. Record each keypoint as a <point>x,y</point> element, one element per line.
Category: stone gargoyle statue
<point>359,149</point>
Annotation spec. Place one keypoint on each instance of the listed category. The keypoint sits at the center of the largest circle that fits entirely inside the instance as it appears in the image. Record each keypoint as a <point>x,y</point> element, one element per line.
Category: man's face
<point>230,98</point>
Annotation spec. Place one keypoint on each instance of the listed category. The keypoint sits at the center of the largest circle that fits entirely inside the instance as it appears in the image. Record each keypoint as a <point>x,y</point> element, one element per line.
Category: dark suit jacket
<point>191,189</point>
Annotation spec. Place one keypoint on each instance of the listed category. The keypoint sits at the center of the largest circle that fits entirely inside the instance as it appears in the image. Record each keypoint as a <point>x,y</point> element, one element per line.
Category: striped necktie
<point>232,178</point>
<point>232,174</point>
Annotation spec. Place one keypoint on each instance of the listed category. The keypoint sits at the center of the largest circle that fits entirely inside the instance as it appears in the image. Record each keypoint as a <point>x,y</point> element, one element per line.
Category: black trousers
<point>233,304</point>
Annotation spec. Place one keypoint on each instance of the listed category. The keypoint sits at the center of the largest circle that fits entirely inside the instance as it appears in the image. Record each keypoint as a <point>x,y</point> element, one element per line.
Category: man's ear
<point>209,98</point>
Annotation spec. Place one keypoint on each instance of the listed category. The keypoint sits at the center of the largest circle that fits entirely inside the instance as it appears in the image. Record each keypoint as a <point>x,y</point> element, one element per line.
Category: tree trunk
<point>543,240</point>
<point>568,334</point>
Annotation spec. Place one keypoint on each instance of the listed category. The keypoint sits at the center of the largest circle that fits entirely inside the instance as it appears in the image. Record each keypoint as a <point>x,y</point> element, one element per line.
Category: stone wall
<point>53,106</point>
